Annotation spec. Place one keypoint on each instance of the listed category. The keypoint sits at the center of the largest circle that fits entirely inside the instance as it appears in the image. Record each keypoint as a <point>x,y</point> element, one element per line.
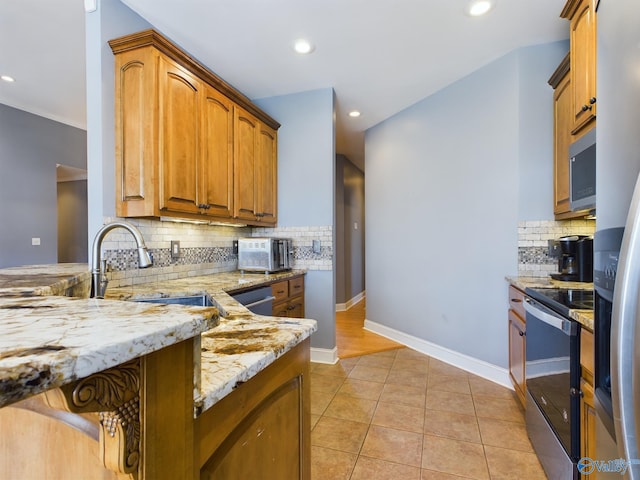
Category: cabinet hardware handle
<point>586,107</point>
<point>521,333</point>
<point>576,392</point>
<point>592,100</point>
<point>516,300</point>
<point>203,206</point>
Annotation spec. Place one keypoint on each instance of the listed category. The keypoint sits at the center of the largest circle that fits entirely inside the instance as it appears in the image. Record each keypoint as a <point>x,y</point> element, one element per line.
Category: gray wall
<point>446,183</point>
<point>306,186</point>
<point>617,137</point>
<point>112,19</point>
<point>350,210</point>
<point>30,148</point>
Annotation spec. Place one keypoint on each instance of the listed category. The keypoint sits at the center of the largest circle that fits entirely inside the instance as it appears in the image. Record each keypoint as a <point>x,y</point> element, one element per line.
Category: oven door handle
<point>561,323</point>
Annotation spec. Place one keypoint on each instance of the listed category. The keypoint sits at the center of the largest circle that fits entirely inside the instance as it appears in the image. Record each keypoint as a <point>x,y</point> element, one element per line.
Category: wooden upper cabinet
<point>245,154</point>
<point>179,115</point>
<point>216,195</point>
<point>255,181</point>
<point>266,175</point>
<point>188,144</point>
<point>562,138</point>
<point>136,136</point>
<point>582,17</point>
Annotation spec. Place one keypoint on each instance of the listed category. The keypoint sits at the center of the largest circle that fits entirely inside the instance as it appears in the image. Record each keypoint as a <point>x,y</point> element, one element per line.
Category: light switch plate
<point>316,246</point>
<point>175,248</point>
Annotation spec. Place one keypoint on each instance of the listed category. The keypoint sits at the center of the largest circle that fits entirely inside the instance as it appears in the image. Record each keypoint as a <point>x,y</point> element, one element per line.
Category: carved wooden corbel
<point>115,395</point>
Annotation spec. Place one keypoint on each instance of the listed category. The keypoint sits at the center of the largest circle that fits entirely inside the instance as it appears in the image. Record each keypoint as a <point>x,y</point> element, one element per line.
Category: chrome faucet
<point>99,267</point>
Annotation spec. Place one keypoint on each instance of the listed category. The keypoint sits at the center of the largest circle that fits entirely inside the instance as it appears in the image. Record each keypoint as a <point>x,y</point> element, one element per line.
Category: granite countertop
<point>584,317</point>
<point>47,340</point>
<point>244,343</point>
<point>71,279</point>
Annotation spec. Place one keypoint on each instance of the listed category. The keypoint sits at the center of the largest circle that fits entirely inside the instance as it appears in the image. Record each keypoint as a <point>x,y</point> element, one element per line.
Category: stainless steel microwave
<point>265,254</point>
<point>582,172</point>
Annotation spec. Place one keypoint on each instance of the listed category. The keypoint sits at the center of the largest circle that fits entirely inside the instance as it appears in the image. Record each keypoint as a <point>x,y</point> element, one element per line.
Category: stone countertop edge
<point>49,341</point>
<point>583,317</point>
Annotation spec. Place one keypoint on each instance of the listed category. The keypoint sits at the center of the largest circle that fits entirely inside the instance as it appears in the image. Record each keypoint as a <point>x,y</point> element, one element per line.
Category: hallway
<point>352,340</point>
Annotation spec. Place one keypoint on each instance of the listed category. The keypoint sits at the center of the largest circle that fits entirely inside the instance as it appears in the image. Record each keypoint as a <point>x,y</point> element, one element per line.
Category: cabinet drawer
<point>516,301</point>
<point>280,290</point>
<point>296,286</point>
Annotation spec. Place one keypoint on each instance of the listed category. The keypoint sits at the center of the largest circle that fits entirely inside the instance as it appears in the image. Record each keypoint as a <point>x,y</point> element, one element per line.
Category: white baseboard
<point>342,307</point>
<point>473,365</point>
<point>324,355</point>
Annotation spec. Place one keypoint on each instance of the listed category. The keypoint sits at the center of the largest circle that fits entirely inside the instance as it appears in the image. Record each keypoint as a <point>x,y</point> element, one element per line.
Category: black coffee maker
<point>575,261</point>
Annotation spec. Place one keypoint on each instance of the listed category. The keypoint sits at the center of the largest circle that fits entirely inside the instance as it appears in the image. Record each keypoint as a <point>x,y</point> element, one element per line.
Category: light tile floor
<point>401,415</point>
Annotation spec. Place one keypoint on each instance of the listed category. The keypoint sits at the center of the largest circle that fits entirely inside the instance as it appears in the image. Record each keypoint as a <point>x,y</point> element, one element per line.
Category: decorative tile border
<point>533,240</point>
<point>204,249</point>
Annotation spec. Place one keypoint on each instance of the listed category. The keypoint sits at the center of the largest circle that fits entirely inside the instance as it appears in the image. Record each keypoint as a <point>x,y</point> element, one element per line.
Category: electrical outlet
<point>175,248</point>
<point>35,241</point>
<point>316,246</point>
<point>554,249</point>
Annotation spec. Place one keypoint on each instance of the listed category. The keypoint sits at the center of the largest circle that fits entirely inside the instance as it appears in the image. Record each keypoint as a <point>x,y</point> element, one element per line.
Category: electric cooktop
<point>562,300</point>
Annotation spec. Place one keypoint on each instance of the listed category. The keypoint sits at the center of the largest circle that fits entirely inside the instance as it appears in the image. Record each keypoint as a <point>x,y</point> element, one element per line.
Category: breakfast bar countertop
<point>48,340</point>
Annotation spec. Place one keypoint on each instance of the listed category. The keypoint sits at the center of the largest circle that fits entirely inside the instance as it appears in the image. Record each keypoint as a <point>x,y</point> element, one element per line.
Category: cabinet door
<point>179,114</point>
<point>136,137</point>
<point>517,354</point>
<point>245,153</point>
<point>587,422</point>
<point>563,123</point>
<point>266,180</point>
<point>583,63</point>
<point>216,166</point>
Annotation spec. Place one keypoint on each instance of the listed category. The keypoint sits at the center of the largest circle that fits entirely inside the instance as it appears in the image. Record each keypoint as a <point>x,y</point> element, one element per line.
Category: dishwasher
<point>259,300</point>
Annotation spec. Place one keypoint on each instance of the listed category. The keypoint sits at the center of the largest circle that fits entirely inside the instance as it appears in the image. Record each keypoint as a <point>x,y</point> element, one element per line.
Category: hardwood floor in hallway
<point>353,340</point>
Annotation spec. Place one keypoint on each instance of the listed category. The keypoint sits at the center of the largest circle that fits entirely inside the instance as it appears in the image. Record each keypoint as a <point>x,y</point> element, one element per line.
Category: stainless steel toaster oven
<point>265,254</point>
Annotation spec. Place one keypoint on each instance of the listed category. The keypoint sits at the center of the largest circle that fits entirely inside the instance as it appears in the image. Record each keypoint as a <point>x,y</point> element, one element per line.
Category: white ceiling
<point>379,56</point>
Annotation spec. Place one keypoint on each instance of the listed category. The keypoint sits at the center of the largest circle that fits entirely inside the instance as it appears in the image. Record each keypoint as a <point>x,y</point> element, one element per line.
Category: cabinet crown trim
<point>570,9</point>
<point>561,71</point>
<point>151,38</point>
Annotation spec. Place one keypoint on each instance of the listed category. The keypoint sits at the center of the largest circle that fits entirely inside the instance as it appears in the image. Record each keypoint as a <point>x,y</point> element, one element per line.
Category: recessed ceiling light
<point>354,113</point>
<point>7,78</point>
<point>479,7</point>
<point>303,46</point>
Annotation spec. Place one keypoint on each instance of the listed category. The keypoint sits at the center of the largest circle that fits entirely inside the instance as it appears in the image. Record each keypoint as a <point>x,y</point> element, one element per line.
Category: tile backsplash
<point>533,237</point>
<point>204,249</point>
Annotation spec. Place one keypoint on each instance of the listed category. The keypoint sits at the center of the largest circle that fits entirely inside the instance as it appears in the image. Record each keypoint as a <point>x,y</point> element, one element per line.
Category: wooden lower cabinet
<point>261,429</point>
<point>517,344</point>
<point>587,405</point>
<point>289,298</point>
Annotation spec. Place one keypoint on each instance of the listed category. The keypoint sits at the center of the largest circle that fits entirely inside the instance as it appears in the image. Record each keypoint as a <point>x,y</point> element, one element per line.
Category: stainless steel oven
<point>553,378</point>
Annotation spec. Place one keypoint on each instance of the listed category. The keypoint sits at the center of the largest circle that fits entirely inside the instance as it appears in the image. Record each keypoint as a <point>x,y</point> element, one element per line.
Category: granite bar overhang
<point>42,347</point>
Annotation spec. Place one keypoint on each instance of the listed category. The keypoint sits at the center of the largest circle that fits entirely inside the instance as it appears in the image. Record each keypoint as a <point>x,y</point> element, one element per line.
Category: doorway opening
<point>72,214</point>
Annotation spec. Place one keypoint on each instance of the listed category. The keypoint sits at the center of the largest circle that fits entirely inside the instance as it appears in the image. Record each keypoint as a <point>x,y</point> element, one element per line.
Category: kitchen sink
<point>191,300</point>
